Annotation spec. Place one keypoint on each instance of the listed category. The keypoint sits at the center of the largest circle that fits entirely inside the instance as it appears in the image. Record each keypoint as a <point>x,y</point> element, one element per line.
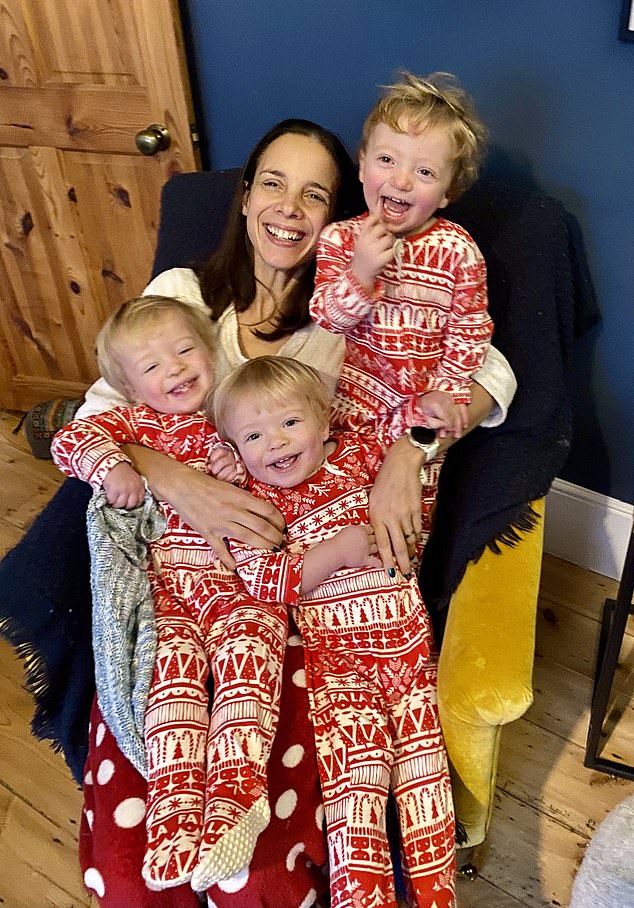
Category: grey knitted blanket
<point>123,626</point>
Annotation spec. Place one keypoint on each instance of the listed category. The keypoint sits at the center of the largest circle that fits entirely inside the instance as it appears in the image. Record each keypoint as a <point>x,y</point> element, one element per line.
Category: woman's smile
<point>287,206</point>
<point>285,236</point>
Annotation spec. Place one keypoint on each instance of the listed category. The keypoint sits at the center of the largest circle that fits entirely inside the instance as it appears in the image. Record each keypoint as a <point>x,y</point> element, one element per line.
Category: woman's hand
<point>395,504</point>
<point>215,509</point>
<point>395,500</point>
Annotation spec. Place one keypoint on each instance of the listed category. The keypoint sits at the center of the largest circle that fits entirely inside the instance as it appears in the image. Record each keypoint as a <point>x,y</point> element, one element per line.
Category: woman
<point>257,287</point>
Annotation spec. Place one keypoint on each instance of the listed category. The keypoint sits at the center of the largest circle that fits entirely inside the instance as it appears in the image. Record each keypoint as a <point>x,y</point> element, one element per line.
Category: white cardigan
<point>312,345</point>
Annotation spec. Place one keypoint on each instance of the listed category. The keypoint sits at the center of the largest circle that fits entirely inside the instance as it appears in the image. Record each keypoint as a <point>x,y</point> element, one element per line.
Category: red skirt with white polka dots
<point>289,865</point>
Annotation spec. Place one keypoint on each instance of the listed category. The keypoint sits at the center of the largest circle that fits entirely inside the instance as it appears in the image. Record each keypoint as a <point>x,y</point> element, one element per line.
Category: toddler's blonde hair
<point>131,318</point>
<point>419,102</point>
<point>273,378</point>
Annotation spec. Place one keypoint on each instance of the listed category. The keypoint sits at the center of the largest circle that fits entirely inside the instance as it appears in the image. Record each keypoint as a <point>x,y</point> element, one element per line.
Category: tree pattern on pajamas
<point>207,776</point>
<point>425,327</point>
<point>371,677</point>
<point>289,865</point>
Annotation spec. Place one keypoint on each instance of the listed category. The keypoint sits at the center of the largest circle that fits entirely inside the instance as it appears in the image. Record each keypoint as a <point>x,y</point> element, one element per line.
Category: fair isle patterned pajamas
<point>207,776</point>
<point>371,678</point>
<point>424,328</point>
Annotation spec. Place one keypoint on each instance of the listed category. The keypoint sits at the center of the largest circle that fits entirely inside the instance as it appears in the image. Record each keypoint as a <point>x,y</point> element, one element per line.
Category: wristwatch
<point>425,440</point>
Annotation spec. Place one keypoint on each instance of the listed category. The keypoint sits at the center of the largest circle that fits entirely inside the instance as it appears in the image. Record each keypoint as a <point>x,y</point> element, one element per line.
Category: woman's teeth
<point>280,234</point>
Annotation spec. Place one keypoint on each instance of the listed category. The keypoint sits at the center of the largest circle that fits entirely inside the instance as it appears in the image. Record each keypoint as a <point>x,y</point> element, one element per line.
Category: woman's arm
<point>496,376</point>
<point>395,502</point>
<point>215,509</point>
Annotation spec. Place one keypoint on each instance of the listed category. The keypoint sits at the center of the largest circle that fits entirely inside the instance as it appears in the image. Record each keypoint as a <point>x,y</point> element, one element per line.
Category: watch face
<point>422,436</point>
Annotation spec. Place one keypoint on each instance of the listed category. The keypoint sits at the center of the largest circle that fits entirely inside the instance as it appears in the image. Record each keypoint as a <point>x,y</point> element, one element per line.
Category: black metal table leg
<point>614,621</point>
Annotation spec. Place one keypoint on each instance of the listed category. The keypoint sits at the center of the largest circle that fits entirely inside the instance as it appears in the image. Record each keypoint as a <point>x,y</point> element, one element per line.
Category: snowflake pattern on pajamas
<point>371,678</point>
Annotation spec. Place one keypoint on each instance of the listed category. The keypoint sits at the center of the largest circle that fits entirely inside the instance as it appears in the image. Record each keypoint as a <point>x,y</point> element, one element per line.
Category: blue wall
<point>555,86</point>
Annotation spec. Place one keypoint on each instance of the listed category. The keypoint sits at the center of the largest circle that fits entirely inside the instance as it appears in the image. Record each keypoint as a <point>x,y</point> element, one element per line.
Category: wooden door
<point>78,202</point>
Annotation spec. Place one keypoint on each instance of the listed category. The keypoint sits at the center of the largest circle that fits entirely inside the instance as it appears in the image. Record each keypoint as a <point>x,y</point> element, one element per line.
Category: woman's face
<point>289,202</point>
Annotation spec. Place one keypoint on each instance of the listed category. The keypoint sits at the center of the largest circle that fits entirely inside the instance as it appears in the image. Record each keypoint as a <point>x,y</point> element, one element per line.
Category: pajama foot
<point>162,885</point>
<point>233,851</point>
<point>158,882</point>
<point>172,863</point>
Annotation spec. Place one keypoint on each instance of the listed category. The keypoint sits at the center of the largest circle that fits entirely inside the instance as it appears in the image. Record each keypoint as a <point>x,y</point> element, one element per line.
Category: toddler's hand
<point>443,414</point>
<point>358,546</point>
<point>373,249</point>
<point>224,463</point>
<point>124,487</point>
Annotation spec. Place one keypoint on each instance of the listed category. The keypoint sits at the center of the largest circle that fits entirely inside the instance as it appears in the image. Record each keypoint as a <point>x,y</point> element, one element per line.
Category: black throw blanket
<point>540,297</point>
<point>46,613</point>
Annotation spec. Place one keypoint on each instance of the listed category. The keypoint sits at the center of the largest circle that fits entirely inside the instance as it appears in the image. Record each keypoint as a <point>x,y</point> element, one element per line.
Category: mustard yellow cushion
<point>486,667</point>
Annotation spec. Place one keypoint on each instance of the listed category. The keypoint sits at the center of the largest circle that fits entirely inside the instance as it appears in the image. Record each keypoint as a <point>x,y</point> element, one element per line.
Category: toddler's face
<point>167,365</point>
<point>280,444</point>
<point>406,176</point>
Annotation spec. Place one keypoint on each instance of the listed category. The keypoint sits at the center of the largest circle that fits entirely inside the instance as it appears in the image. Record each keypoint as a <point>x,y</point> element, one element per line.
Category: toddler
<point>370,662</point>
<point>207,790</point>
<point>406,287</point>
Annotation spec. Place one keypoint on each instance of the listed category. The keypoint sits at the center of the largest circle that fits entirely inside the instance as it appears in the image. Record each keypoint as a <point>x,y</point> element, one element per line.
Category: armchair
<point>481,568</point>
<point>480,574</point>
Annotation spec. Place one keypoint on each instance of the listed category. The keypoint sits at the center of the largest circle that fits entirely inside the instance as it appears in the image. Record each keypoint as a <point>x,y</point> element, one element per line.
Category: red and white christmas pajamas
<point>371,677</point>
<point>425,327</point>
<point>207,777</point>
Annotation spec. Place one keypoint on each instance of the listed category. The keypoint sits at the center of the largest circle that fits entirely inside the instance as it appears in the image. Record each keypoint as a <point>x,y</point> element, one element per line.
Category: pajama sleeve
<point>339,301</point>
<point>268,576</point>
<point>466,342</point>
<point>371,453</point>
<point>468,330</point>
<point>88,449</point>
<point>495,376</point>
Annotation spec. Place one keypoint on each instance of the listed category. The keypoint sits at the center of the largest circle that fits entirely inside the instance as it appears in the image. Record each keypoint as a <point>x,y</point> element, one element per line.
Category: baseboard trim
<point>587,528</point>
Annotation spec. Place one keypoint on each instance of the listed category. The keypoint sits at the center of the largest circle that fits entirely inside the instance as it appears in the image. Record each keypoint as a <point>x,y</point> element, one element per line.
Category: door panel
<point>79,203</point>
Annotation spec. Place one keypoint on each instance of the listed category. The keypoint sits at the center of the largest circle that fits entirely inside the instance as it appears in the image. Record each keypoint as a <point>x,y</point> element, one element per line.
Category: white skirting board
<point>587,528</point>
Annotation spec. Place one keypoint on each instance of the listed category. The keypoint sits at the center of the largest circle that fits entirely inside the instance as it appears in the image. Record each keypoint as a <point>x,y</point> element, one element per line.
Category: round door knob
<point>153,139</point>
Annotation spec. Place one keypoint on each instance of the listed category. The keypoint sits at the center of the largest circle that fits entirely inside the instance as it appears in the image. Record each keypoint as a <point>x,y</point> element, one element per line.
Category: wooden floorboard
<point>40,807</point>
<point>547,804</point>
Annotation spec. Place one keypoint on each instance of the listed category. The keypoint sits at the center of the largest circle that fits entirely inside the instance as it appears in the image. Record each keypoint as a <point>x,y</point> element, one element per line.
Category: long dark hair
<point>228,276</point>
